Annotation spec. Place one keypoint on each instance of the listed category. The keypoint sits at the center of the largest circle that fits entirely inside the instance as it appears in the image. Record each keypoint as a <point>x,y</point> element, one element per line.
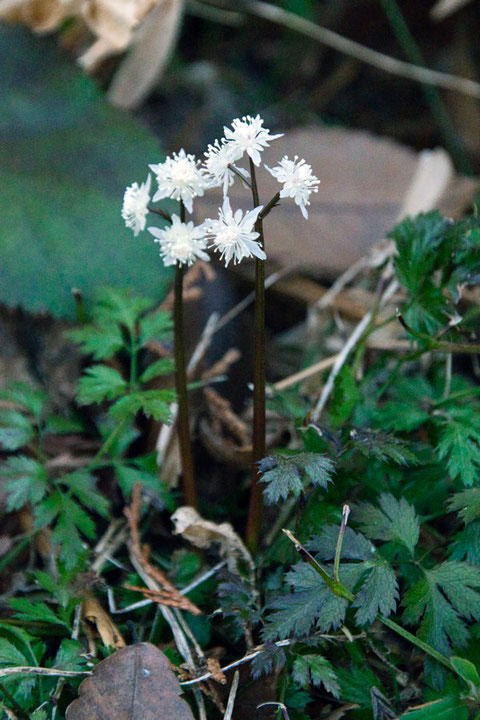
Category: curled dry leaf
<point>135,683</point>
<point>108,631</point>
<point>203,533</point>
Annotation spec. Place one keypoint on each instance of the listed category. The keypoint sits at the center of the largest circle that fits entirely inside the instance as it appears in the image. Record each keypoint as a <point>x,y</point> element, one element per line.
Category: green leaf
<point>395,520</point>
<point>155,326</point>
<point>69,656</point>
<point>466,670</point>
<point>378,594</point>
<point>10,655</point>
<point>356,684</point>
<point>460,445</point>
<point>70,522</point>
<point>28,483</point>
<point>442,601</point>
<point>165,366</point>
<point>467,503</point>
<point>283,474</point>
<point>155,403</point>
<point>128,476</point>
<point>15,430</point>
<point>101,341</point>
<point>34,611</point>
<point>448,708</point>
<point>25,395</point>
<point>383,446</point>
<point>317,670</point>
<point>65,158</point>
<point>99,383</point>
<point>466,544</point>
<point>82,485</point>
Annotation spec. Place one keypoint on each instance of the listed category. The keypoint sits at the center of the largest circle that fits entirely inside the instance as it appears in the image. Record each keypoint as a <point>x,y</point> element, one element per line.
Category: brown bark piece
<point>135,683</point>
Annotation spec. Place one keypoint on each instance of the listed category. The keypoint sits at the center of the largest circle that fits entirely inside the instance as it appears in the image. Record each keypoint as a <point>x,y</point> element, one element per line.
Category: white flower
<point>248,136</point>
<point>135,205</point>
<point>233,235</point>
<point>298,181</point>
<point>180,178</point>
<point>180,243</point>
<point>218,158</point>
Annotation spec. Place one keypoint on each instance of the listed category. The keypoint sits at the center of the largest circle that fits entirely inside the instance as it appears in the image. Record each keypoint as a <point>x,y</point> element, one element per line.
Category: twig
<point>52,672</point>
<point>231,696</point>
<point>360,52</point>
<point>306,373</point>
<point>166,593</point>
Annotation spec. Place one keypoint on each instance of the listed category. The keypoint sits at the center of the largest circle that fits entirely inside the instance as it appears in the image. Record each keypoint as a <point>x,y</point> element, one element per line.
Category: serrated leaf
<point>311,604</point>
<point>164,366</point>
<point>69,655</point>
<point>355,546</point>
<point>28,483</point>
<point>285,477</point>
<point>99,383</point>
<point>66,156</point>
<point>442,601</point>
<point>356,683</point>
<point>459,445</point>
<point>395,520</point>
<point>466,544</point>
<point>317,670</point>
<point>155,403</point>
<point>378,594</point>
<point>383,446</point>
<point>271,658</point>
<point>10,655</point>
<point>15,430</point>
<point>101,341</point>
<point>467,504</point>
<point>155,326</point>
<point>34,611</point>
<point>29,398</point>
<point>82,485</point>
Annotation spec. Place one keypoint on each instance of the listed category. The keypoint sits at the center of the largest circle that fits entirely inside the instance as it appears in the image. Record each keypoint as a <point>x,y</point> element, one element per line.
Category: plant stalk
<point>258,445</point>
<point>183,424</point>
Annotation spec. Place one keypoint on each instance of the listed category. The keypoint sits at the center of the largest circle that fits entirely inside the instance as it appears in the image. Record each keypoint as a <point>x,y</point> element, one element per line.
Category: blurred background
<point>95,90</point>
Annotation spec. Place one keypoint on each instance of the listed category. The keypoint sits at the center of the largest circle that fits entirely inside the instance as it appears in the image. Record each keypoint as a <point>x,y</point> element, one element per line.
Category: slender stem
<point>338,550</point>
<point>242,177</point>
<point>108,443</point>
<point>336,587</point>
<point>189,488</point>
<point>160,212</point>
<point>258,446</point>
<point>269,206</point>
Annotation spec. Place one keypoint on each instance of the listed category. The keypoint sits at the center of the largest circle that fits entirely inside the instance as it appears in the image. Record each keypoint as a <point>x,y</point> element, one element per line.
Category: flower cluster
<point>233,234</point>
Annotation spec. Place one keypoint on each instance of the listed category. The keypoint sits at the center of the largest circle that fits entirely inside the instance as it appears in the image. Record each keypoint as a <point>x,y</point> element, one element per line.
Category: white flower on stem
<point>135,205</point>
<point>232,234</point>
<point>248,136</point>
<point>180,178</point>
<point>180,243</point>
<point>297,179</point>
<point>217,165</point>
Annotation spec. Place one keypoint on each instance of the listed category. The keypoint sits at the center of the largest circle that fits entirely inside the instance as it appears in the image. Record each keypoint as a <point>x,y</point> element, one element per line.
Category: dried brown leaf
<point>135,683</point>
<point>108,631</point>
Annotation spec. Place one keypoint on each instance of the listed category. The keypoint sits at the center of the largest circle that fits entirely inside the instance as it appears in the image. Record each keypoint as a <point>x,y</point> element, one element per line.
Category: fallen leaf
<point>203,533</point>
<point>108,631</point>
<point>148,56</point>
<point>135,683</point>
